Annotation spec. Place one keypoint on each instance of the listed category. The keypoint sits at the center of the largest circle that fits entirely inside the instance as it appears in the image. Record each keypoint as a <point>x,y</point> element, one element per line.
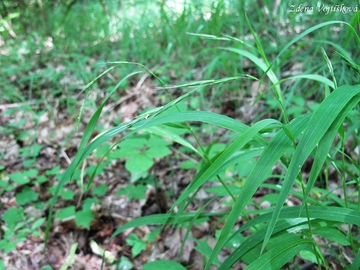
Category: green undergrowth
<point>55,54</point>
<point>277,233</point>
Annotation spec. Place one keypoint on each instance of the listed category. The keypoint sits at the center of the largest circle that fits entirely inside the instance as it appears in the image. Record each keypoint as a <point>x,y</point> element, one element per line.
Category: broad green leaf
<point>102,150</point>
<point>163,264</point>
<point>37,223</point>
<point>152,236</point>
<point>7,246</point>
<point>66,212</point>
<point>100,190</point>
<point>12,216</point>
<point>31,173</point>
<point>139,163</point>
<point>133,143</point>
<point>187,164</point>
<point>123,153</point>
<point>253,241</point>
<point>233,242</point>
<point>4,184</point>
<point>158,152</point>
<point>84,218</point>
<point>137,244</point>
<point>157,142</point>
<point>96,169</point>
<point>19,178</point>
<point>31,151</point>
<point>53,171</point>
<point>133,192</point>
<point>308,255</point>
<point>27,195</point>
<point>67,194</point>
<point>47,267</point>
<point>88,203</point>
<point>124,264</point>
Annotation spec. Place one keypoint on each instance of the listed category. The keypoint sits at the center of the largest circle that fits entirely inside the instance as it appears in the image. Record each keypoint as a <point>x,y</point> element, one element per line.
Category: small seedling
<point>140,153</point>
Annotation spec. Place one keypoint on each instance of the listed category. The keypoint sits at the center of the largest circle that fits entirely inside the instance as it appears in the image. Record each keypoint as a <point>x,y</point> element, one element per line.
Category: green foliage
<point>124,264</point>
<point>205,249</point>
<point>27,195</point>
<point>140,154</point>
<point>12,216</point>
<point>47,267</point>
<point>137,244</point>
<point>84,218</point>
<point>23,177</point>
<point>163,264</point>
<point>65,212</point>
<point>66,194</point>
<point>17,227</point>
<point>100,190</point>
<point>133,192</point>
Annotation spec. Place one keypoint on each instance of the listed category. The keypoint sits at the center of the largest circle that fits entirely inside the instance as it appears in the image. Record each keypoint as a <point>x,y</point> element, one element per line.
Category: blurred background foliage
<point>59,45</point>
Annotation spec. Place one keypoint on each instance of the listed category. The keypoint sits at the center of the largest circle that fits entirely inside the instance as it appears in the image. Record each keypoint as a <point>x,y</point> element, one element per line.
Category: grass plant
<point>309,116</point>
<point>306,135</point>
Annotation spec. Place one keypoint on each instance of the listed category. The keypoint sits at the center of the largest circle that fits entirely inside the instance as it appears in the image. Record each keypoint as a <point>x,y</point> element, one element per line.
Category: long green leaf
<point>160,131</point>
<point>289,218</point>
<point>95,117</point>
<point>356,263</point>
<point>163,219</point>
<point>318,125</point>
<point>312,29</point>
<point>243,139</point>
<point>313,77</point>
<point>87,134</point>
<point>272,153</point>
<point>252,241</point>
<point>324,147</point>
<point>276,257</point>
<point>259,63</point>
